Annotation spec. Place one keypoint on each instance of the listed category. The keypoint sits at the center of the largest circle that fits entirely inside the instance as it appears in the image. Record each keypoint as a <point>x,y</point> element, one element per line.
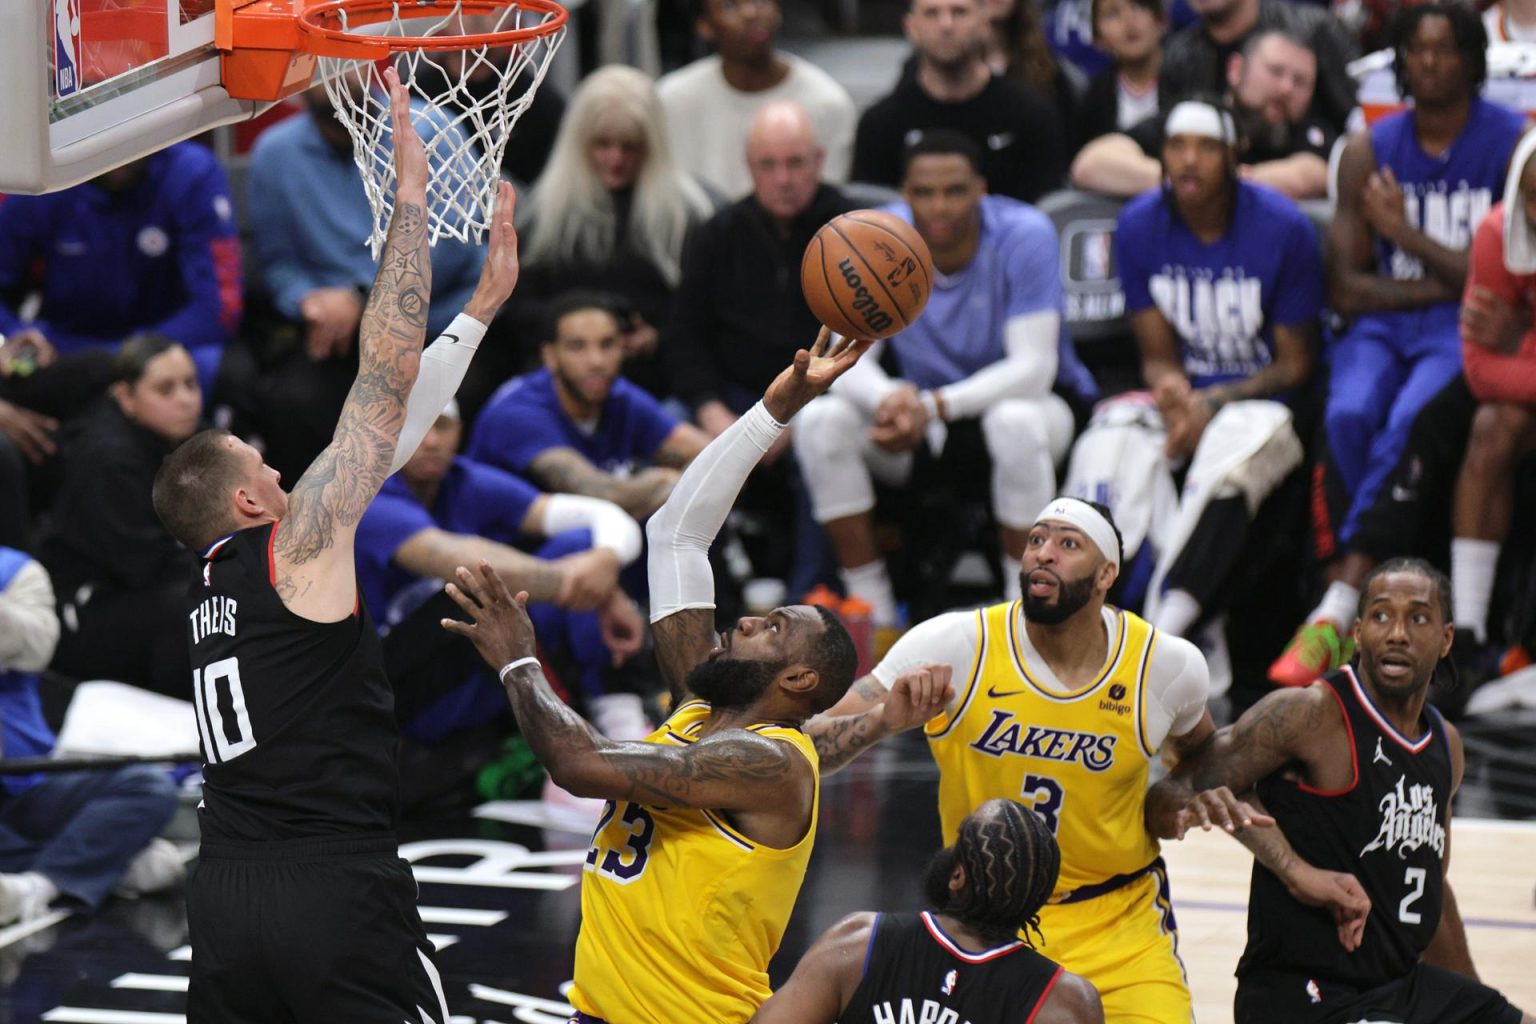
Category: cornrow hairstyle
<point>1467,28</point>
<point>1011,862</point>
<point>1445,670</point>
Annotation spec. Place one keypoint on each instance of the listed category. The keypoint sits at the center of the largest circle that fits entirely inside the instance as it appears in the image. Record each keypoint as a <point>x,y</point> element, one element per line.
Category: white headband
<point>1087,519</point>
<point>1192,117</point>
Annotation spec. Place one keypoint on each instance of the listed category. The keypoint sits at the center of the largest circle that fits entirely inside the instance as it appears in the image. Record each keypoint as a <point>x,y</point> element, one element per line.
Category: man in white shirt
<point>710,103</point>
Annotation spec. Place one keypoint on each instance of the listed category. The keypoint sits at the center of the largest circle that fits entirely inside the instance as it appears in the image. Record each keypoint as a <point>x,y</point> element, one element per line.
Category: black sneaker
<point>1471,664</point>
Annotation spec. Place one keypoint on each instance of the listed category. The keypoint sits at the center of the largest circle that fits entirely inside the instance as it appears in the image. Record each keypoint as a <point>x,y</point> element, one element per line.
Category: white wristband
<point>513,665</point>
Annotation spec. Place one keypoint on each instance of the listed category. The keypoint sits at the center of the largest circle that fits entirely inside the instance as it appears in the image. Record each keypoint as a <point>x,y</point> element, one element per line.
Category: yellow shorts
<point>1125,943</point>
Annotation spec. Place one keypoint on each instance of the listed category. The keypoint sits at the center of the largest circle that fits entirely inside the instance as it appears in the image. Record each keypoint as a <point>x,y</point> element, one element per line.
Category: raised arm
<point>681,531</point>
<point>313,546</point>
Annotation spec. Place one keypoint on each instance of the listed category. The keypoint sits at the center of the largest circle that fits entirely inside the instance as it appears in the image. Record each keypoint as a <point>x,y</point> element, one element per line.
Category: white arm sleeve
<point>866,383</point>
<point>442,368</point>
<point>611,526</point>
<point>1178,682</point>
<point>948,639</point>
<point>29,625</point>
<point>1027,369</point>
<point>682,530</point>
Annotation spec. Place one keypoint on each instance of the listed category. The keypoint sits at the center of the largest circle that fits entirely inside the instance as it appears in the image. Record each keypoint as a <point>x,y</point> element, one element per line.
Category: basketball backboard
<point>93,84</point>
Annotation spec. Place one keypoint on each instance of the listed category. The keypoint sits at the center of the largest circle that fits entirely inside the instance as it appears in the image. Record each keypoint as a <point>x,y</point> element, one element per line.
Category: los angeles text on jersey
<point>1006,735</point>
<point>911,1011</point>
<point>215,615</point>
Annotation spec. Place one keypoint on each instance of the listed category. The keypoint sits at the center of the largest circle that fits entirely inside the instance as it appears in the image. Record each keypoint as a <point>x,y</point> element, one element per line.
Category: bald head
<point>784,159</point>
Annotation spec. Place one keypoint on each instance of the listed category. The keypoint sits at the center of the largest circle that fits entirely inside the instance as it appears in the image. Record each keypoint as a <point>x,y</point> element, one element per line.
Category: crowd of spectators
<point>1356,370</point>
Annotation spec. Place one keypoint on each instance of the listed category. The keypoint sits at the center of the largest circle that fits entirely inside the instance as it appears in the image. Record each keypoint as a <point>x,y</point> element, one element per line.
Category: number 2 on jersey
<point>613,864</point>
<point>1044,794</point>
<point>1414,877</point>
<point>222,743</point>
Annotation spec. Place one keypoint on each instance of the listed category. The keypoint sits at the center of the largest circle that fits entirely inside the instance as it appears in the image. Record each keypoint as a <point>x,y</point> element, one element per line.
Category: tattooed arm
<point>313,561</point>
<point>1301,730</point>
<point>869,713</point>
<point>734,770</point>
<point>567,471</point>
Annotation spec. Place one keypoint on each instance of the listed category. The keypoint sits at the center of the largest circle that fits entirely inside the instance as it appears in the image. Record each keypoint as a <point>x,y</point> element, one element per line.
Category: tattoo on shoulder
<point>737,756</point>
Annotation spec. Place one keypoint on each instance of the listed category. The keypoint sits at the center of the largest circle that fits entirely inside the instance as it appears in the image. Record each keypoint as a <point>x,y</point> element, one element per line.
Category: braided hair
<point>1011,861</point>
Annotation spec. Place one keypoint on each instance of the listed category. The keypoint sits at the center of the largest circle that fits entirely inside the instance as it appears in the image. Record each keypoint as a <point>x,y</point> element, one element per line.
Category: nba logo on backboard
<point>1093,259</point>
<point>66,47</point>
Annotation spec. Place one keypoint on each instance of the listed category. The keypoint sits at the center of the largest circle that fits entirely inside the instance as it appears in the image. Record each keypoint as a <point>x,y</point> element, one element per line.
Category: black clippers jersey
<point>914,972</point>
<point>296,717</point>
<point>1388,830</point>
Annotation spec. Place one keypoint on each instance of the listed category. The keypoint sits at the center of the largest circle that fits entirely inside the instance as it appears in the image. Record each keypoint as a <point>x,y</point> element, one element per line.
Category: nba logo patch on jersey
<point>1313,992</point>
<point>948,988</point>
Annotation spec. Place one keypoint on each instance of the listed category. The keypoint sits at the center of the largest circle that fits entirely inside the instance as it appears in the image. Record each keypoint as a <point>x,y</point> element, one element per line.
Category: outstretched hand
<point>1337,892</point>
<point>1218,808</point>
<point>918,696</point>
<point>501,630</point>
<point>498,275</point>
<point>812,373</point>
<point>410,153</point>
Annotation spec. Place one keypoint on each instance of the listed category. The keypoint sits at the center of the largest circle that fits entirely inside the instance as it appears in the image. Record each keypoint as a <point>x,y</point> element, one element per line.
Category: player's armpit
<point>825,978</point>
<point>734,770</point>
<point>683,639</point>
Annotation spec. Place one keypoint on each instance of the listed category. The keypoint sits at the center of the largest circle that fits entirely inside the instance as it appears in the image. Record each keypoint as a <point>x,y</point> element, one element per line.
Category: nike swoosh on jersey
<point>993,691</point>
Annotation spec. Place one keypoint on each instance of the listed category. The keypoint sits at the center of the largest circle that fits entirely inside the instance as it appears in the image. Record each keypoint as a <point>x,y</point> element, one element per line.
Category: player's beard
<point>1070,599</point>
<point>732,683</point>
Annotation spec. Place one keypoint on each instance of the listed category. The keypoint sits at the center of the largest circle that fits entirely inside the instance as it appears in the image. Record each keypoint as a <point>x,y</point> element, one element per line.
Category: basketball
<point>867,274</point>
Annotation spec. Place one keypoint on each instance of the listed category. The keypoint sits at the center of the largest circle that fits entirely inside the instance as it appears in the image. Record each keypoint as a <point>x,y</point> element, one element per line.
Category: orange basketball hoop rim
<point>268,47</point>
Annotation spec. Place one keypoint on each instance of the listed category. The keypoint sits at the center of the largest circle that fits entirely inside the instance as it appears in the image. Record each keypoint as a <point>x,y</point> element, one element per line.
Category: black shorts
<point>314,930</point>
<point>1427,995</point>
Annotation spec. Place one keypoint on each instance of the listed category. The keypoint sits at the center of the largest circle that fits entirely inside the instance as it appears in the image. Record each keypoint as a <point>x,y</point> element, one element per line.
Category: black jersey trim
<point>1354,754</point>
<point>1044,995</point>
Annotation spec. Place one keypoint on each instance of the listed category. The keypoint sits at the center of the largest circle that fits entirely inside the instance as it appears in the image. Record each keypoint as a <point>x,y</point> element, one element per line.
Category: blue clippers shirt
<point>1016,270</point>
<point>23,730</point>
<point>472,499</point>
<point>1223,300</point>
<point>1447,196</point>
<point>524,419</point>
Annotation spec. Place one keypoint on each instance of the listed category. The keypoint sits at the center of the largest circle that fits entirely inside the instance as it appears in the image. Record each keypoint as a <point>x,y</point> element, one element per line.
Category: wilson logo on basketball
<point>865,304</point>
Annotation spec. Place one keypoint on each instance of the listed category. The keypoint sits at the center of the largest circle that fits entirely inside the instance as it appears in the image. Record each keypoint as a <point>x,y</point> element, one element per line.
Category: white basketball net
<point>465,103</point>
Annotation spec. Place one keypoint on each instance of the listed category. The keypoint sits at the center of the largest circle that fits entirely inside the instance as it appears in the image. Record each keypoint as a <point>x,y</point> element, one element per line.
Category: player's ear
<point>1108,573</point>
<point>1448,639</point>
<point>800,679</point>
<point>957,879</point>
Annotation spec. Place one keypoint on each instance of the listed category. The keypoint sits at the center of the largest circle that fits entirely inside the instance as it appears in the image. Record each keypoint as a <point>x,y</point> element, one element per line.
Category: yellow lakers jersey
<point>680,913</point>
<point>1080,759</point>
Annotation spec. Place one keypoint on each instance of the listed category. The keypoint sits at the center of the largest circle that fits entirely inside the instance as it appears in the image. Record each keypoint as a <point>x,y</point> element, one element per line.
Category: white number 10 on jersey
<point>220,742</point>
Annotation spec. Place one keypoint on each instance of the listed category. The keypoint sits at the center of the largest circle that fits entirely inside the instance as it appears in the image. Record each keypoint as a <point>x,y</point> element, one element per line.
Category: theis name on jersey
<point>215,615</point>
<point>1007,735</point>
<point>1409,820</point>
<point>1218,313</point>
<point>1447,215</point>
